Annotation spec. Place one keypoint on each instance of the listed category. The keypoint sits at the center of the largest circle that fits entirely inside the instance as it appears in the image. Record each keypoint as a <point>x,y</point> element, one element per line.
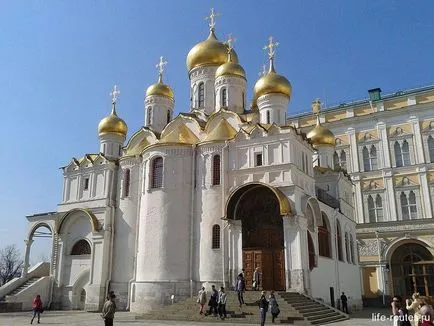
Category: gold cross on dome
<point>212,16</point>
<point>271,47</point>
<point>160,66</point>
<point>316,106</point>
<point>114,94</point>
<point>230,42</point>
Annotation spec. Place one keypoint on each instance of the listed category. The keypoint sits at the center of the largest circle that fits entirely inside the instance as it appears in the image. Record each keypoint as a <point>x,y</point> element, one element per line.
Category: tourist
<point>344,302</point>
<point>263,307</point>
<point>201,299</point>
<point>255,281</point>
<point>396,304</point>
<point>108,310</point>
<point>414,305</point>
<point>403,319</point>
<point>213,301</point>
<point>426,312</point>
<point>222,303</point>
<point>274,306</point>
<point>240,288</point>
<point>37,308</point>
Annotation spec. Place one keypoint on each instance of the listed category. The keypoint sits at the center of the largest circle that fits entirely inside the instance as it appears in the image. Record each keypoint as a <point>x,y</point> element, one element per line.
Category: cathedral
<point>191,200</point>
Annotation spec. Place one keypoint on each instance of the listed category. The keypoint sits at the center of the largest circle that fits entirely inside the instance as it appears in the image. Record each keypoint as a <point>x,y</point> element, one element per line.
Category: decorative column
<point>358,200</point>
<point>390,196</point>
<point>382,133</point>
<point>351,132</point>
<point>418,143</point>
<point>235,249</point>
<point>424,189</point>
<point>26,257</point>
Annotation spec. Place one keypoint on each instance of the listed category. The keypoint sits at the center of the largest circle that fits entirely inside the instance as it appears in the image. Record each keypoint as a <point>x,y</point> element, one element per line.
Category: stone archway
<point>259,209</point>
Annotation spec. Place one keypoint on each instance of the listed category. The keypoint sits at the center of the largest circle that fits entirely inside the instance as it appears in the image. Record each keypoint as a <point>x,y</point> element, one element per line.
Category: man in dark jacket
<point>263,307</point>
<point>344,301</point>
<point>213,301</point>
<point>108,310</point>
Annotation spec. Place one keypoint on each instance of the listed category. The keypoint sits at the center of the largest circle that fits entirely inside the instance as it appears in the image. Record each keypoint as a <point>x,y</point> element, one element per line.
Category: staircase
<point>25,285</point>
<point>315,312</point>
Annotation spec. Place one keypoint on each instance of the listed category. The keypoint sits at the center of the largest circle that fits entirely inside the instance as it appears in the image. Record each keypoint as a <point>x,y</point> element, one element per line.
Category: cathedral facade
<point>192,200</point>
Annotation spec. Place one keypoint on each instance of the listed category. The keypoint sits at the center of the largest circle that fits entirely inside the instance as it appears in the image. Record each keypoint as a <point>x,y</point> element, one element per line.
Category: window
<point>258,161</point>
<point>375,209</point>
<point>216,236</point>
<point>431,148</point>
<point>343,160</point>
<point>369,158</point>
<point>268,116</point>
<point>336,160</point>
<point>127,183</point>
<point>244,100</point>
<point>402,154</point>
<point>149,115</point>
<point>324,238</point>
<point>224,98</point>
<point>347,248</point>
<point>168,116</point>
<point>339,241</point>
<point>216,170</point>
<point>157,173</point>
<point>201,95</point>
<point>303,162</point>
<point>81,247</point>
<point>408,206</point>
<point>311,251</point>
<point>86,184</point>
<point>352,249</point>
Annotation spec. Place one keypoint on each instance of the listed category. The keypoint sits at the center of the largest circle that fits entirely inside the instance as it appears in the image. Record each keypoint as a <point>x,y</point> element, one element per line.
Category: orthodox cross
<point>230,42</point>
<point>271,47</point>
<point>316,106</point>
<point>211,19</point>
<point>114,94</point>
<point>160,67</point>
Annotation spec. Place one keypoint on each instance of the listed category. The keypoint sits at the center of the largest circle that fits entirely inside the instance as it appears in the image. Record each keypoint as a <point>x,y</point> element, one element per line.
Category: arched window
<point>216,170</point>
<point>336,160</point>
<point>375,209</point>
<point>373,157</point>
<point>431,148</point>
<point>224,98</point>
<point>398,154</point>
<point>408,206</point>
<point>127,183</point>
<point>324,238</point>
<point>216,236</point>
<point>404,207</point>
<point>412,205</point>
<point>343,160</point>
<point>168,116</point>
<point>201,95</point>
<point>347,248</point>
<point>405,153</point>
<point>369,158</point>
<point>81,247</point>
<point>268,116</point>
<point>311,251</point>
<point>339,241</point>
<point>149,115</point>
<point>157,173</point>
<point>366,161</point>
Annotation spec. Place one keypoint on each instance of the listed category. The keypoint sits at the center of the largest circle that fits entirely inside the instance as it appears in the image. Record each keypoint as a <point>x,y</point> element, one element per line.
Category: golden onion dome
<point>272,82</point>
<point>230,69</point>
<point>112,124</point>
<point>321,136</point>
<point>209,52</point>
<point>160,89</point>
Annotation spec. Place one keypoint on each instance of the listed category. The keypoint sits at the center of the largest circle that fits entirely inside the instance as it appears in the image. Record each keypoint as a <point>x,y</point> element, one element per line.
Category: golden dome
<point>209,52</point>
<point>230,69</point>
<point>321,136</point>
<point>272,82</point>
<point>112,124</point>
<point>160,89</point>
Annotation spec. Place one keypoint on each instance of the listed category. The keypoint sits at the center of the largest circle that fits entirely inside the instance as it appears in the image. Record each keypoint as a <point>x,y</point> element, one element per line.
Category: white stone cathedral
<point>194,199</point>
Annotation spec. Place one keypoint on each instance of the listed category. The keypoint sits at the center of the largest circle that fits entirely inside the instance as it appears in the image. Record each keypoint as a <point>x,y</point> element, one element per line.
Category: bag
<point>254,284</point>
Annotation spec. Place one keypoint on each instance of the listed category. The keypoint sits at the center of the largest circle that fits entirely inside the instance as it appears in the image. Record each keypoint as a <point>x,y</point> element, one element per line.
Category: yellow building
<point>386,143</point>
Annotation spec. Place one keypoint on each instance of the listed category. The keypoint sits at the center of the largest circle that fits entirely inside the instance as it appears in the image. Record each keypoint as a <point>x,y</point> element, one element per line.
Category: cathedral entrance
<point>259,209</point>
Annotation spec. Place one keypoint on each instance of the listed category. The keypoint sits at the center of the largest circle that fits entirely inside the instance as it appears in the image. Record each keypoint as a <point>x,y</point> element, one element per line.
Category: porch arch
<point>92,219</point>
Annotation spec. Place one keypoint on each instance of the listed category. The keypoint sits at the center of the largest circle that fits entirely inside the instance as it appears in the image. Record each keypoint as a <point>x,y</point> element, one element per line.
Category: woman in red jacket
<point>37,308</point>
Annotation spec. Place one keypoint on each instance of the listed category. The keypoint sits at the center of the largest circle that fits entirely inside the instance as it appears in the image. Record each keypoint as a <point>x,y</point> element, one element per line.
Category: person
<point>201,299</point>
<point>263,307</point>
<point>213,301</point>
<point>222,303</point>
<point>274,306</point>
<point>426,312</point>
<point>240,288</point>
<point>255,281</point>
<point>403,319</point>
<point>344,302</point>
<point>108,310</point>
<point>37,308</point>
<point>396,304</point>
<point>414,305</point>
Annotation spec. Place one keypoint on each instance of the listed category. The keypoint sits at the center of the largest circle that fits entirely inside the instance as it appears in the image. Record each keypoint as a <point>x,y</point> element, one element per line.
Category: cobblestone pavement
<point>76,318</point>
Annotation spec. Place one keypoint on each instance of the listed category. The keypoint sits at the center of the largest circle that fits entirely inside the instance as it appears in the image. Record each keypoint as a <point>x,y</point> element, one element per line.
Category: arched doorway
<point>412,269</point>
<point>259,208</point>
<point>39,245</point>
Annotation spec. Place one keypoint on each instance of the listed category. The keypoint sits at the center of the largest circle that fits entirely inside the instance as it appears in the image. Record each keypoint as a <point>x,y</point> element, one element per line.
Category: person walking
<point>201,299</point>
<point>255,281</point>
<point>344,302</point>
<point>37,308</point>
<point>108,310</point>
<point>274,306</point>
<point>263,307</point>
<point>241,287</point>
<point>222,303</point>
<point>213,301</point>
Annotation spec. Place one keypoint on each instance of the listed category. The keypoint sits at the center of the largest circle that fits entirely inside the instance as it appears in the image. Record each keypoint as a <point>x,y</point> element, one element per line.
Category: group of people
<point>216,303</point>
<point>421,306</point>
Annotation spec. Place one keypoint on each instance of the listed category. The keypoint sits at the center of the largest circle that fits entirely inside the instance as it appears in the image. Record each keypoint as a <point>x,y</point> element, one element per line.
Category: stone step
<point>23,286</point>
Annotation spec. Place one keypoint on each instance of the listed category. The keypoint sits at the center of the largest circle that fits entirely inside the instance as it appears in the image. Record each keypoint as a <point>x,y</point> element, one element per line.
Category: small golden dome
<point>230,69</point>
<point>112,124</point>
<point>209,52</point>
<point>321,136</point>
<point>272,82</point>
<point>160,89</point>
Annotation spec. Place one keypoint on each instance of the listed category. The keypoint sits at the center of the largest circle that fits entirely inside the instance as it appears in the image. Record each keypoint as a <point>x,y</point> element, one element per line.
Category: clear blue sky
<point>59,60</point>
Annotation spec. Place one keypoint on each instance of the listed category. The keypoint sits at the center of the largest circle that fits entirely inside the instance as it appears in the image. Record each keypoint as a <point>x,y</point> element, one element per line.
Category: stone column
<point>391,214</point>
<point>354,153</point>
<point>418,143</point>
<point>26,257</point>
<point>235,249</point>
<point>382,133</point>
<point>358,199</point>
<point>425,194</point>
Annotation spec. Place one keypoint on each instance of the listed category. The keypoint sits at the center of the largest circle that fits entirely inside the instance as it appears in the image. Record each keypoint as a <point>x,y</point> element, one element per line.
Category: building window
<point>339,240</point>
<point>375,209</point>
<point>168,116</point>
<point>149,115</point>
<point>431,148</point>
<point>352,249</point>
<point>216,170</point>
<point>336,160</point>
<point>311,251</point>
<point>224,98</point>
<point>216,236</point>
<point>324,238</point>
<point>201,95</point>
<point>343,160</point>
<point>347,248</point>
<point>369,158</point>
<point>243,100</point>
<point>127,183</point>
<point>157,173</point>
<point>81,247</point>
<point>258,159</point>
<point>268,116</point>
<point>402,154</point>
<point>408,206</point>
<point>86,184</point>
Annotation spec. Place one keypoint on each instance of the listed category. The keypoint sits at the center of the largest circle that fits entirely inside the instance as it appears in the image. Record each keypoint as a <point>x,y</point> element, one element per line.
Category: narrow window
<point>268,116</point>
<point>366,162</point>
<point>216,170</point>
<point>347,247</point>
<point>157,173</point>
<point>224,98</point>
<point>343,160</point>
<point>303,164</point>
<point>244,100</point>
<point>431,148</point>
<point>352,249</point>
<point>86,184</point>
<point>398,154</point>
<point>412,205</point>
<point>258,159</point>
<point>311,251</point>
<point>168,116</point>
<point>201,95</point>
<point>371,210</point>
<point>81,247</point>
<point>127,183</point>
<point>404,207</point>
<point>405,153</point>
<point>324,238</point>
<point>149,115</point>
<point>339,241</point>
<point>373,157</point>
<point>379,208</point>
<point>336,160</point>
<point>216,236</point>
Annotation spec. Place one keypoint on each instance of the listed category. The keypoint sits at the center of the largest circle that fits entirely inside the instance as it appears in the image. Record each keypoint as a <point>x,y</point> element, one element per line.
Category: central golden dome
<point>209,52</point>
<point>112,124</point>
<point>272,82</point>
<point>321,136</point>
